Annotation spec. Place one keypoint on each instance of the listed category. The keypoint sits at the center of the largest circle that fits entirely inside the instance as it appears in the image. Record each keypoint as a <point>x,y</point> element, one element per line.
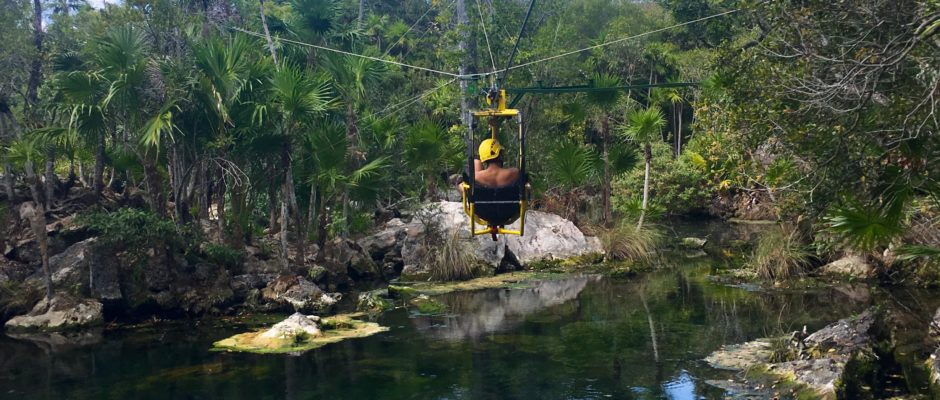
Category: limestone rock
<point>298,293</point>
<point>547,237</point>
<point>849,266</point>
<point>694,242</point>
<point>62,312</point>
<point>842,339</point>
<point>819,374</point>
<point>296,324</point>
<point>347,258</point>
<point>740,356</point>
<point>82,265</point>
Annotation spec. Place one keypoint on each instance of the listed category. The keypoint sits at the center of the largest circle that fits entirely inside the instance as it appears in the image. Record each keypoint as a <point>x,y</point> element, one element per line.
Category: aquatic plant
<point>630,242</point>
<point>780,254</point>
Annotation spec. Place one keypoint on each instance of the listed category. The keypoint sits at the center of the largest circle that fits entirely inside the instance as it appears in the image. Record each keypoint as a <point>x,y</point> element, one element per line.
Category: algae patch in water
<point>512,280</point>
<point>333,329</point>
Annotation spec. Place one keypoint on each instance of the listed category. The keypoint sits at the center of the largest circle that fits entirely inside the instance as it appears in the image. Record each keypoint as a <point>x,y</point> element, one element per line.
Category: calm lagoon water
<point>586,337</point>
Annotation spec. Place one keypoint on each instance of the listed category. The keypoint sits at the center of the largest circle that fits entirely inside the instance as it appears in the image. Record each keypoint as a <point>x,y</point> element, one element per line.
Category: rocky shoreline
<point>95,284</point>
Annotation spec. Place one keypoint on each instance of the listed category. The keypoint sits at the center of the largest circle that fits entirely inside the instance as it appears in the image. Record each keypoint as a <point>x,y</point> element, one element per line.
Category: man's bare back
<point>494,175</point>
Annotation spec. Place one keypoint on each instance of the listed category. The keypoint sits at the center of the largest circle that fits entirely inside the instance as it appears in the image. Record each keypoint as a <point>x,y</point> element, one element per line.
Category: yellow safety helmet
<point>489,149</point>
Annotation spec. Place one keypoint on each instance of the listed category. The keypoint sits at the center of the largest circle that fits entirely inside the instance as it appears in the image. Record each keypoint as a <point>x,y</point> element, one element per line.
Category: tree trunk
<point>321,229</point>
<point>8,184</point>
<point>605,128</point>
<point>680,129</point>
<point>35,72</point>
<point>98,179</point>
<point>154,183</point>
<point>205,192</point>
<point>272,210</point>
<point>648,157</point>
<point>267,33</point>
<point>51,180</point>
<point>311,208</point>
<point>362,11</point>
<point>467,66</point>
<point>37,222</point>
<point>81,173</point>
<point>220,206</point>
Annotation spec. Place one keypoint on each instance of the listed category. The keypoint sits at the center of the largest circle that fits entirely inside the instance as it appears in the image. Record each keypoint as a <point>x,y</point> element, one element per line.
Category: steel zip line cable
<point>414,25</point>
<point>450,74</point>
<point>509,66</point>
<point>622,39</point>
<point>486,36</point>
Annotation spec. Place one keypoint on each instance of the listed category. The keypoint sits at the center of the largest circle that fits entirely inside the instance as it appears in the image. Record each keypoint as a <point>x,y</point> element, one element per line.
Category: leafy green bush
<point>677,185</point>
<point>129,228</point>
<point>223,255</point>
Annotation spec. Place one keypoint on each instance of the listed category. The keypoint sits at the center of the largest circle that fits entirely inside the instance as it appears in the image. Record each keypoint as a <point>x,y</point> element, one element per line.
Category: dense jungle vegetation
<point>212,122</point>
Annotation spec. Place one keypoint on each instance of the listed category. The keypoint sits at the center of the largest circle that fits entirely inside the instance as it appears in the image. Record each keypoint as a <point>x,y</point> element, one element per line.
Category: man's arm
<point>477,165</point>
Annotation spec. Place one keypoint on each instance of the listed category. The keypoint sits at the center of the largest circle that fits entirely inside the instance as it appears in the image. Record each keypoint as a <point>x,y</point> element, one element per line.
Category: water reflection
<point>474,314</point>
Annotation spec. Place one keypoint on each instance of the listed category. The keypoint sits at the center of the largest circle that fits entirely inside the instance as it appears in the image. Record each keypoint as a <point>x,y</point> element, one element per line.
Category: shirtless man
<point>488,169</point>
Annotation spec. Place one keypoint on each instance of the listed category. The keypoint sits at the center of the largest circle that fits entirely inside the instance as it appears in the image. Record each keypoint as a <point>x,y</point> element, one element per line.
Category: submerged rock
<point>374,301</point>
<point>299,333</point>
<point>849,267</point>
<point>301,295</point>
<point>739,357</point>
<point>62,312</point>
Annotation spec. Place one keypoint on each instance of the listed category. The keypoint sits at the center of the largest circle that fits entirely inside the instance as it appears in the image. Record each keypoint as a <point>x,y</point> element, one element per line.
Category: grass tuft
<point>626,242</point>
<point>780,254</point>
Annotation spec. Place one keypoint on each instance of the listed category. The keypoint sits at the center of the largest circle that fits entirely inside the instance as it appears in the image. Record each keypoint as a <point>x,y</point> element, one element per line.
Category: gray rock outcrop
<point>849,267</point>
<point>547,237</point>
<point>299,294</point>
<point>62,312</point>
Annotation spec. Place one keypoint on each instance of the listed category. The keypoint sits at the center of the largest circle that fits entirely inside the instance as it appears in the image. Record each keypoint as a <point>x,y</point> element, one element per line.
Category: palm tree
<point>644,127</point>
<point>331,177</point>
<point>427,151</point>
<point>604,100</point>
<point>351,76</point>
<point>571,166</point>
<point>299,98</point>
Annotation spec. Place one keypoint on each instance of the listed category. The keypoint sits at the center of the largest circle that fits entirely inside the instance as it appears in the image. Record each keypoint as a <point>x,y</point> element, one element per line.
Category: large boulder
<point>62,312</point>
<point>83,266</point>
<point>296,324</point>
<point>296,293</point>
<point>547,237</point>
<point>346,258</point>
<point>850,267</point>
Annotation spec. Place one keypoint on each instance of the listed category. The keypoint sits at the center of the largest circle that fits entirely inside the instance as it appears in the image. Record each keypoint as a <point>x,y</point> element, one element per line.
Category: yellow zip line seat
<point>496,207</point>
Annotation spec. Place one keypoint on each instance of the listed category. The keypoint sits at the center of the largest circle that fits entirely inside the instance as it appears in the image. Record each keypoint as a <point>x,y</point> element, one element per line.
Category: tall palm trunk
<point>37,222</point>
<point>51,180</point>
<point>98,179</point>
<point>289,207</point>
<point>35,72</point>
<point>220,206</point>
<point>605,128</point>
<point>154,183</point>
<point>648,157</point>
<point>267,33</point>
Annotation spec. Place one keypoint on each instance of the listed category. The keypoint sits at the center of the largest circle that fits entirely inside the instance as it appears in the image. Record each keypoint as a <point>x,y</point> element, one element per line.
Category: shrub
<point>223,255</point>
<point>626,242</point>
<point>129,228</point>
<point>678,185</point>
<point>780,254</point>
